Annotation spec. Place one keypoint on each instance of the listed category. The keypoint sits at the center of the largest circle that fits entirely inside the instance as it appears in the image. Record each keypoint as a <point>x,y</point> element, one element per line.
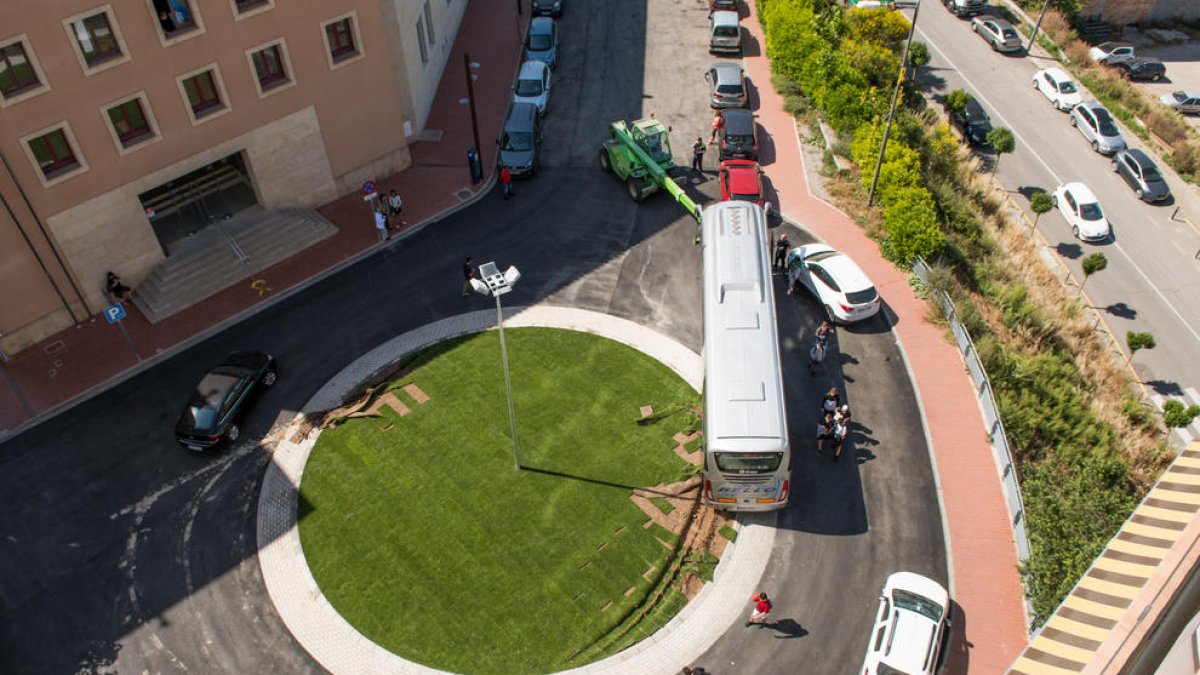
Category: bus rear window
<point>748,462</point>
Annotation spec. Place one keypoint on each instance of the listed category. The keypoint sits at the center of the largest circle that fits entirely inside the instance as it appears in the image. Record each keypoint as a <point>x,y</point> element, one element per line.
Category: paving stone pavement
<point>340,648</point>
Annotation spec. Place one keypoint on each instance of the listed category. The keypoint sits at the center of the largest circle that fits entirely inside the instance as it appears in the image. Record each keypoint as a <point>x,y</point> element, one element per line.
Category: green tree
<point>1176,415</point>
<point>956,100</point>
<point>1137,341</point>
<point>1002,142</point>
<point>918,56</point>
<point>1092,264</point>
<point>910,221</point>
<point>1040,203</point>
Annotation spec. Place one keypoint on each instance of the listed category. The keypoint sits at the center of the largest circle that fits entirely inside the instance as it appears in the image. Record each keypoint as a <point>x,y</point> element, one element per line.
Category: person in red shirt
<point>506,182</point>
<point>762,607</point>
<point>718,122</point>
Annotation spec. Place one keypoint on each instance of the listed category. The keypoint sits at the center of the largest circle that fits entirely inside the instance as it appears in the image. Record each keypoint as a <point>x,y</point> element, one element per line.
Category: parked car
<point>533,85</point>
<point>541,42</point>
<point>726,85</point>
<point>910,628</point>
<point>521,140</point>
<point>1142,68</point>
<point>1098,127</point>
<point>724,34</point>
<point>1082,211</point>
<point>722,6</point>
<point>1187,102</point>
<point>550,7</point>
<point>1110,53</point>
<point>1141,173</point>
<point>738,135</point>
<point>222,398</point>
<point>1058,87</point>
<point>997,32</point>
<point>836,281</point>
<point>741,180</point>
<point>972,122</point>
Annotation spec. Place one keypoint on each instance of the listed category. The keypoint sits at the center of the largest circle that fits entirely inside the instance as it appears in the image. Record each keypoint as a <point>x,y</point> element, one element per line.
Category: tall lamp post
<point>496,284</point>
<point>887,129</point>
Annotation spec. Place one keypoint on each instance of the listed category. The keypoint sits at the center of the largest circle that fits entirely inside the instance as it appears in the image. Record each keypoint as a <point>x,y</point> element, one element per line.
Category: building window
<point>96,39</point>
<point>244,6</point>
<point>17,74</point>
<point>270,67</point>
<point>53,153</point>
<point>176,18</point>
<point>421,43</point>
<point>429,24</point>
<point>129,122</point>
<point>202,94</point>
<point>340,34</point>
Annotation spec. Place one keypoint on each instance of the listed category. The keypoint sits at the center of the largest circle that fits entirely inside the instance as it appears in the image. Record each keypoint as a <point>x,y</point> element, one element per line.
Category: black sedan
<point>1142,68</point>
<point>1142,175</point>
<point>222,397</point>
<point>973,122</point>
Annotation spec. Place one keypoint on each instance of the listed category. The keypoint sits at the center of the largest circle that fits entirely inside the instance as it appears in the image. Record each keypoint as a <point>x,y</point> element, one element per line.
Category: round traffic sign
<point>368,187</point>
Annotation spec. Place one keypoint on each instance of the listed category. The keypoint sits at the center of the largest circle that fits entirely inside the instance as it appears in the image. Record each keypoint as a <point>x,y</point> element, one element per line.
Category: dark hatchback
<point>1142,68</point>
<point>973,122</point>
<point>221,399</point>
<point>547,7</point>
<point>1141,173</point>
<point>739,135</point>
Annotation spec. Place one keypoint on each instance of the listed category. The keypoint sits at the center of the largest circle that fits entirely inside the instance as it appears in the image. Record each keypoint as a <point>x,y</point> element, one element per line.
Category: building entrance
<point>186,205</point>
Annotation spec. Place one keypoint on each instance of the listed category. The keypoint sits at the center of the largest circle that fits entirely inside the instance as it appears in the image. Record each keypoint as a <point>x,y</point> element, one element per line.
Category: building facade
<point>124,120</point>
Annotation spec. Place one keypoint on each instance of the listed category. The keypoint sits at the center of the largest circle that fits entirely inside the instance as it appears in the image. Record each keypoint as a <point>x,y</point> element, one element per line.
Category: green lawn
<point>428,541</point>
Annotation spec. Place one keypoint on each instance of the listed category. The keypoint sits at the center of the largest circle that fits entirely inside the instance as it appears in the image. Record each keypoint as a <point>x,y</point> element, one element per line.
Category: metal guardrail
<point>994,426</point>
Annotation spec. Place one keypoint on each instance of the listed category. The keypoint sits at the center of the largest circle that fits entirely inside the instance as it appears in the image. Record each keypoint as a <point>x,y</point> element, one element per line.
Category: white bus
<point>747,460</point>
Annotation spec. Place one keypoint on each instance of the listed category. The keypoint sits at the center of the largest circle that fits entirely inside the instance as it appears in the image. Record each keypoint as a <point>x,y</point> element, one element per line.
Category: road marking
<point>978,94</point>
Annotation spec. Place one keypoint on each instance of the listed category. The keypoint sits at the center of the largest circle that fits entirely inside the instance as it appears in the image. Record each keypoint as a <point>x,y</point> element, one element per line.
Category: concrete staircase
<point>225,253</point>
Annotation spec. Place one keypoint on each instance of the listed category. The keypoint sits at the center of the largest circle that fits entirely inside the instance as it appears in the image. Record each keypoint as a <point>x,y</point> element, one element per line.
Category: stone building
<point>132,127</point>
<point>1122,12</point>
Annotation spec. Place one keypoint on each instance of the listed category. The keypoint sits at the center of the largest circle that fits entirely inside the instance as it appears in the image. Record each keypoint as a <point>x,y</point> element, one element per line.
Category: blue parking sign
<point>114,313</point>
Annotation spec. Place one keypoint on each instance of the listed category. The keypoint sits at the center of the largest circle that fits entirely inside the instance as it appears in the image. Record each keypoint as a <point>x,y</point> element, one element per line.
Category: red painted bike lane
<point>989,631</point>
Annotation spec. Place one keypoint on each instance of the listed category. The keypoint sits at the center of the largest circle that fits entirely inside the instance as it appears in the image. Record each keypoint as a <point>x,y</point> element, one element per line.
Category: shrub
<point>1186,158</point>
<point>1077,52</point>
<point>957,100</point>
<point>910,223</point>
<point>1175,415</point>
<point>1166,124</point>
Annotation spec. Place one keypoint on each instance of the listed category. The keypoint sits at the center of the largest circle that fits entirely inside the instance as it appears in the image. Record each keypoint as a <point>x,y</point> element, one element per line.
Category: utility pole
<point>1042,15</point>
<point>471,99</point>
<point>887,129</point>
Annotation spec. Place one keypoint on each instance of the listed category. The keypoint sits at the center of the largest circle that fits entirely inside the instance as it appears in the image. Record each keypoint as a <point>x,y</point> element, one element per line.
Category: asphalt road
<point>122,552</point>
<point>1152,283</point>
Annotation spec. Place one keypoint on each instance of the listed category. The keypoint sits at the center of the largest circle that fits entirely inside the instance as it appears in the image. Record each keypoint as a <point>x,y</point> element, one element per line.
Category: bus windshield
<point>748,462</point>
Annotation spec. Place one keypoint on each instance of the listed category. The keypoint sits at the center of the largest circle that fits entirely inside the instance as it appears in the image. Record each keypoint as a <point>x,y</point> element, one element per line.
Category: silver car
<point>1187,102</point>
<point>726,85</point>
<point>1098,127</point>
<point>997,32</point>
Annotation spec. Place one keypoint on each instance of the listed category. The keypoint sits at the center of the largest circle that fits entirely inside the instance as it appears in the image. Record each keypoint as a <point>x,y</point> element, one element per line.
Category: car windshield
<point>521,140</point>
<point>740,139</point>
<point>539,42</point>
<point>725,31</point>
<point>729,88</point>
<point>748,462</point>
<point>1107,128</point>
<point>917,603</point>
<point>1179,96</point>
<point>1090,211</point>
<point>744,198</point>
<point>207,398</point>
<point>529,87</point>
<point>1067,87</point>
<point>1010,34</point>
<point>1150,174</point>
<point>861,297</point>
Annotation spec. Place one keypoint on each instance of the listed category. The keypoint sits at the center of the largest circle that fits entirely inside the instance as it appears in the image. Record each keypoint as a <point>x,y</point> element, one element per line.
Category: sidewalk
<point>989,623</point>
<point>70,366</point>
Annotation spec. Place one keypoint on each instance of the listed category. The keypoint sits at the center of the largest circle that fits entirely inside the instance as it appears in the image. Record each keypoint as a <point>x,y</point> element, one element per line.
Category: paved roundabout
<point>339,647</point>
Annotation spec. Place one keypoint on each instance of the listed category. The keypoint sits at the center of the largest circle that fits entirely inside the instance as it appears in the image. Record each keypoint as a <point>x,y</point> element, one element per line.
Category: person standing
<point>815,356</point>
<point>468,275</point>
<point>762,607</point>
<point>698,155</point>
<point>381,224</point>
<point>779,261</point>
<point>841,429</point>
<point>506,182</point>
<point>830,403</point>
<point>395,206</point>
<point>717,123</point>
<point>825,431</point>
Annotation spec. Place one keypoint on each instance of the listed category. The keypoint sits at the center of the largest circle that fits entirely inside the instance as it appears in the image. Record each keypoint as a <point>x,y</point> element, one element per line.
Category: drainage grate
<point>53,347</point>
<point>464,194</point>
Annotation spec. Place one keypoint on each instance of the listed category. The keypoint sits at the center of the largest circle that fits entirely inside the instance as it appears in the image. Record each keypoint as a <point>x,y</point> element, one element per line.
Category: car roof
<point>1188,93</point>
<point>738,120</point>
<point>1000,23</point>
<point>1083,194</point>
<point>1057,73</point>
<point>1143,59</point>
<point>847,272</point>
<point>742,179</point>
<point>532,69</point>
<point>973,110</point>
<point>727,71</point>
<point>725,17</point>
<point>1091,104</point>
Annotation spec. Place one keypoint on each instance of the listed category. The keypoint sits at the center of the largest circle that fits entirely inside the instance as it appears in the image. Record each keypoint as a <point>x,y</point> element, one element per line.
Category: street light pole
<point>887,129</point>
<point>1033,36</point>
<point>471,100</point>
<point>495,283</point>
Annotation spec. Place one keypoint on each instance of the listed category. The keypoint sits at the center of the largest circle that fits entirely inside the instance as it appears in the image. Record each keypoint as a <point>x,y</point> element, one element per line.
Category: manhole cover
<point>463,194</point>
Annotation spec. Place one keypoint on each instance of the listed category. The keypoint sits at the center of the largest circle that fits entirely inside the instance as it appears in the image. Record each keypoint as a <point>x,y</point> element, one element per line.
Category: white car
<point>835,280</point>
<point>1098,127</point>
<point>1184,101</point>
<point>1082,211</point>
<point>1058,87</point>
<point>533,85</point>
<point>909,628</point>
<point>1111,53</point>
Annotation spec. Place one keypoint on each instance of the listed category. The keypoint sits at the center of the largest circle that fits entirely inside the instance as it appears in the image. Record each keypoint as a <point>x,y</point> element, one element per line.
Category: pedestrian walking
<point>779,262</point>
<point>381,225</point>
<point>823,332</point>
<point>698,155</point>
<point>762,607</point>
<point>506,182</point>
<point>841,429</point>
<point>825,431</point>
<point>832,400</point>
<point>468,275</point>
<point>117,288</point>
<point>815,356</point>
<point>717,123</point>
<point>395,206</point>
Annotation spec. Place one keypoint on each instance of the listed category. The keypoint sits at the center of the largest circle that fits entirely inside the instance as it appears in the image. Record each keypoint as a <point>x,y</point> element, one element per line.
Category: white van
<point>910,627</point>
<point>725,34</point>
<point>533,85</point>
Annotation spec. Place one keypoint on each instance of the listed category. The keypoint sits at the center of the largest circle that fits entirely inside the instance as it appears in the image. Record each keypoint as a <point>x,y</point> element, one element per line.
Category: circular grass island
<point>424,536</point>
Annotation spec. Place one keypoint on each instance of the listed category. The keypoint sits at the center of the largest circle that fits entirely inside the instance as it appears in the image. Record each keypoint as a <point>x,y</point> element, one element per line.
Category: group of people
<point>699,146</point>
<point>387,214</point>
<point>834,426</point>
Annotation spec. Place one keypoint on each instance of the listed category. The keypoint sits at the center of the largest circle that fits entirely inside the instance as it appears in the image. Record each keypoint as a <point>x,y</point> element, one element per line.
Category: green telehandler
<point>639,153</point>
